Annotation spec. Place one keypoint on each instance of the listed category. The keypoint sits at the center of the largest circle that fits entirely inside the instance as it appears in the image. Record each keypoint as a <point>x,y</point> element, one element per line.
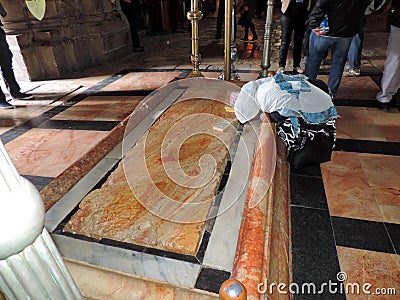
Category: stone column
<point>30,264</point>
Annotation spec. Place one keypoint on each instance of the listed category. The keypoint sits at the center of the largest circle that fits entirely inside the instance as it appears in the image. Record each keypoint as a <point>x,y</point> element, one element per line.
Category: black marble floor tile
<point>307,191</point>
<point>356,102</point>
<point>394,234</point>
<point>314,170</point>
<point>361,234</point>
<point>211,279</point>
<point>347,145</point>
<point>315,259</point>
<point>388,148</point>
<point>362,146</point>
<point>123,93</point>
<point>79,125</point>
<point>38,181</point>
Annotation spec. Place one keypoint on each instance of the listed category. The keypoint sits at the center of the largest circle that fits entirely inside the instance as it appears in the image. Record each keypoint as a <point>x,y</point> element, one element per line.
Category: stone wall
<point>72,36</point>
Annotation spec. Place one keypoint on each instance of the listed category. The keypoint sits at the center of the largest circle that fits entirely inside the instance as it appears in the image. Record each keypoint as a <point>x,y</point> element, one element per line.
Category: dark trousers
<point>248,24</point>
<point>132,13</point>
<point>6,66</point>
<point>288,26</point>
<point>220,18</point>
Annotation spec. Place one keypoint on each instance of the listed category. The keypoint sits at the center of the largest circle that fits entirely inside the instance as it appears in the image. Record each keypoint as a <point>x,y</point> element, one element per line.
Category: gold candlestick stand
<point>266,59</point>
<point>195,16</point>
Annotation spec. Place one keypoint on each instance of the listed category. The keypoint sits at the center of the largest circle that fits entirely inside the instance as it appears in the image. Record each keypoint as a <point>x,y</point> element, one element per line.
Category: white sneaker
<point>280,70</point>
<point>355,72</point>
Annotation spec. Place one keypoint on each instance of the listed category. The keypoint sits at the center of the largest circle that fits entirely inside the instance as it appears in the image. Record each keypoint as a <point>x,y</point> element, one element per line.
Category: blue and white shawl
<point>290,96</point>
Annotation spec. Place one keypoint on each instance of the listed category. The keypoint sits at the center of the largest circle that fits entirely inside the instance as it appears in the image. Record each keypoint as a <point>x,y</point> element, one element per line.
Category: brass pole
<point>228,34</point>
<point>266,59</point>
<point>195,16</point>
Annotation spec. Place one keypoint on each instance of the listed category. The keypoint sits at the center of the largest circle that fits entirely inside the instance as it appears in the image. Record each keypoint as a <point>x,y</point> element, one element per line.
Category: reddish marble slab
<point>381,126</point>
<point>360,88</point>
<point>369,186</point>
<point>73,173</point>
<point>354,198</point>
<point>127,207</point>
<point>141,81</point>
<point>382,173</point>
<point>48,152</point>
<point>104,108</point>
<point>377,270</point>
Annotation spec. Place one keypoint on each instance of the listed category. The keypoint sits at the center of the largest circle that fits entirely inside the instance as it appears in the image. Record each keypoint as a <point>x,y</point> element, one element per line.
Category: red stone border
<point>263,251</point>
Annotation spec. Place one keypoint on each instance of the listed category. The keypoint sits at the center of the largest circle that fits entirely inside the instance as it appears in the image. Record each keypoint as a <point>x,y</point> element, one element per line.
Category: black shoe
<point>4,105</point>
<point>383,106</point>
<point>245,39</point>
<point>138,49</point>
<point>21,96</point>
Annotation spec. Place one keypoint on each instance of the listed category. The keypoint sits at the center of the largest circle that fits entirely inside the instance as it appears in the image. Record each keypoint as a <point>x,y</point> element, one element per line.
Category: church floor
<point>344,214</point>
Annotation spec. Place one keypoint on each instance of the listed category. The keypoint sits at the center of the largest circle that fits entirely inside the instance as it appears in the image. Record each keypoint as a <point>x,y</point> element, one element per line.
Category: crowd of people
<point>317,26</point>
<point>320,26</point>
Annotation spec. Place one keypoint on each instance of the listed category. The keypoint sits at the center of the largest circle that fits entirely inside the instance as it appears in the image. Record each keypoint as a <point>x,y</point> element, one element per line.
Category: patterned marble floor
<point>344,214</point>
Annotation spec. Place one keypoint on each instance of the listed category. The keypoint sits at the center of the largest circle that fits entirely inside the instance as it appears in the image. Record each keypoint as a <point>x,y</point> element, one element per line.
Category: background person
<point>345,20</point>
<point>390,83</point>
<point>293,20</point>
<point>132,10</point>
<point>7,71</point>
<point>246,22</point>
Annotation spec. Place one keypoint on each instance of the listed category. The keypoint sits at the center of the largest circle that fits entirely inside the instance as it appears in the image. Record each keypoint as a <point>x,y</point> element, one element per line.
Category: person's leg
<point>220,18</point>
<point>253,31</point>
<point>340,48</point>
<point>246,32</point>
<point>7,71</point>
<point>3,101</point>
<point>318,47</point>
<point>306,44</point>
<point>355,52</point>
<point>390,83</point>
<point>129,12</point>
<point>299,31</point>
<point>286,37</point>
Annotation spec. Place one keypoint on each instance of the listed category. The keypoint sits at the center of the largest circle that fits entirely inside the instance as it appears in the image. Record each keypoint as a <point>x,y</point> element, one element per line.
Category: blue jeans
<point>355,51</point>
<point>318,48</point>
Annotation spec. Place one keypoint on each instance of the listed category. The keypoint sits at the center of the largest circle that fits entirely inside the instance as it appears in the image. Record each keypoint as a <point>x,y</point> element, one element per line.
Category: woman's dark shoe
<point>138,49</point>
<point>383,106</point>
<point>5,105</point>
<point>21,96</point>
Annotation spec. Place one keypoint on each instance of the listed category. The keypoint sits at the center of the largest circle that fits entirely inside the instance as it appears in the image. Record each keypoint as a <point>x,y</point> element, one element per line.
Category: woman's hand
<point>319,31</point>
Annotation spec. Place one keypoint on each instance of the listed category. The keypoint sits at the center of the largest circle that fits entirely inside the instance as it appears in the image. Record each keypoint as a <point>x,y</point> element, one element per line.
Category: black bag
<point>313,144</point>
